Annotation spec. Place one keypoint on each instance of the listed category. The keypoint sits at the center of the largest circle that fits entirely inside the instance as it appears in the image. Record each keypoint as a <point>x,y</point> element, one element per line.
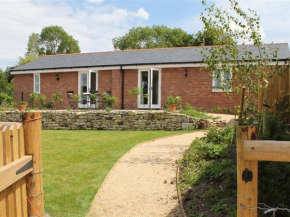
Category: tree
<point>207,37</point>
<point>155,37</point>
<point>27,59</point>
<point>6,88</point>
<point>248,69</point>
<point>33,45</point>
<point>51,40</point>
<point>54,40</point>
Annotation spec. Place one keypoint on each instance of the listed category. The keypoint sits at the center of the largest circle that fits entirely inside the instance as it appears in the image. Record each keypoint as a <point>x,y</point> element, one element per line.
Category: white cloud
<point>93,26</point>
<point>95,1</point>
<point>143,14</point>
<point>274,16</point>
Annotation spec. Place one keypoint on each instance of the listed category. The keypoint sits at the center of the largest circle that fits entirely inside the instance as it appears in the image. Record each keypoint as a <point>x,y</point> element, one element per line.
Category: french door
<point>149,82</point>
<point>88,83</point>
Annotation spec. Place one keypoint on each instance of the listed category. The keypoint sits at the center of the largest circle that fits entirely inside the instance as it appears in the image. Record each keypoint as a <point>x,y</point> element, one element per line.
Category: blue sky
<point>95,22</point>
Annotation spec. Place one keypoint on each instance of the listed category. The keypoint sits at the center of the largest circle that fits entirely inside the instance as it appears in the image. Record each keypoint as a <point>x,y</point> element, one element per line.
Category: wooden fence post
<point>247,186</point>
<point>32,141</point>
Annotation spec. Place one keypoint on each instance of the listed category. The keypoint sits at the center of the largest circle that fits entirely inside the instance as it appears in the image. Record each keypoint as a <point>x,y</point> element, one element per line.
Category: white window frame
<point>222,79</point>
<point>88,73</point>
<point>34,83</point>
<point>150,80</point>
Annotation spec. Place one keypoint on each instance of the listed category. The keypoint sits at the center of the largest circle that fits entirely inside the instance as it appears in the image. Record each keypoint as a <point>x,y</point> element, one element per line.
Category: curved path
<point>143,181</point>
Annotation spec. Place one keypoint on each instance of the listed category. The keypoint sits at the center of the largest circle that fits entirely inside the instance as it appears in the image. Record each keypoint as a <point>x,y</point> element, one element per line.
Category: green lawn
<point>76,162</point>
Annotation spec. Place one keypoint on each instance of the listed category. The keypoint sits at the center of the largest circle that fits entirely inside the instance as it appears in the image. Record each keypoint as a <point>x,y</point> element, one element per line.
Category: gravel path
<point>143,181</point>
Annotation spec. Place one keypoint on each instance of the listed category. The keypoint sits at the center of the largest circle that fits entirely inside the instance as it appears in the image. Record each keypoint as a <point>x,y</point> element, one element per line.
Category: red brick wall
<point>68,81</point>
<point>194,89</point>
<point>105,81</point>
<point>131,81</point>
<point>22,83</point>
<point>117,87</point>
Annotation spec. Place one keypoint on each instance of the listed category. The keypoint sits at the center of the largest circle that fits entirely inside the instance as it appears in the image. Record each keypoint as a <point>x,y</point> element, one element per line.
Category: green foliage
<point>233,26</point>
<point>109,99</point>
<point>208,168</point>
<point>108,109</point>
<point>75,97</point>
<point>54,40</point>
<point>22,103</point>
<point>190,110</point>
<point>6,88</point>
<point>216,110</point>
<point>173,100</point>
<point>33,45</point>
<point>51,40</point>
<point>41,98</point>
<point>250,113</point>
<point>227,110</point>
<point>276,129</point>
<point>32,98</point>
<point>153,37</point>
<point>56,98</point>
<point>208,37</point>
<point>135,91</point>
<point>4,97</point>
<point>93,97</point>
<point>27,59</point>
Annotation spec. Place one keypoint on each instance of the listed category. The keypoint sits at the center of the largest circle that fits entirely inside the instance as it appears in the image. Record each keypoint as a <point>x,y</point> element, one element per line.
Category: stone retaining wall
<point>114,120</point>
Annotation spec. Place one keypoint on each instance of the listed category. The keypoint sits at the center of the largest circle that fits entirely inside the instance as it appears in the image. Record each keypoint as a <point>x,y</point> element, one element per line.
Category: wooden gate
<point>249,152</point>
<point>21,186</point>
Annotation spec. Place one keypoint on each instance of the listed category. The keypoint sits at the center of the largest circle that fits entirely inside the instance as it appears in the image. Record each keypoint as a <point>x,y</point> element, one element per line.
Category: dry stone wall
<point>114,120</point>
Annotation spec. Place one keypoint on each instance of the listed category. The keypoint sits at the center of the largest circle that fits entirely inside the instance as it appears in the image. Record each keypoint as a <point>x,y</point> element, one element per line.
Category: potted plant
<point>21,105</point>
<point>172,102</point>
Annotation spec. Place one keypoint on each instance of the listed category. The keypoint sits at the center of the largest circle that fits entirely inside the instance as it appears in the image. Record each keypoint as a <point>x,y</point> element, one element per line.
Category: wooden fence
<point>249,152</point>
<point>277,89</point>
<point>21,187</point>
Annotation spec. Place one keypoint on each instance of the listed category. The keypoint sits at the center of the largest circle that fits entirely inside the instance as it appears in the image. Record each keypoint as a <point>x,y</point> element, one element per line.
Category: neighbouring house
<point>157,72</point>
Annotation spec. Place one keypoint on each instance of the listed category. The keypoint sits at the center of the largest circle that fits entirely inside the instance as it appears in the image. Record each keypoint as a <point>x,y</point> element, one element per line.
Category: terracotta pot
<point>172,107</point>
<point>21,107</point>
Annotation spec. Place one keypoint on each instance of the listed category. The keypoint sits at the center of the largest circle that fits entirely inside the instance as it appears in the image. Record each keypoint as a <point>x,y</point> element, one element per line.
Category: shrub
<point>173,100</point>
<point>109,99</point>
<point>41,98</point>
<point>6,98</point>
<point>276,129</point>
<point>75,97</point>
<point>32,97</point>
<point>190,110</point>
<point>56,98</point>
<point>22,103</point>
<point>216,110</point>
<point>93,97</point>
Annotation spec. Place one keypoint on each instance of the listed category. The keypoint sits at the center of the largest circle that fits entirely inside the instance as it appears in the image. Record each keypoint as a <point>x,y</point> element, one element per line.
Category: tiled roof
<point>137,57</point>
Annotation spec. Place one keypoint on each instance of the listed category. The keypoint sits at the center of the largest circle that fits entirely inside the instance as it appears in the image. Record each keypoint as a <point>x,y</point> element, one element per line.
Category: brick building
<point>157,72</point>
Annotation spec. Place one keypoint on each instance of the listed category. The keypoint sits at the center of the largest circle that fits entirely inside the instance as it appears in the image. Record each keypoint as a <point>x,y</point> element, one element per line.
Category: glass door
<point>88,83</point>
<point>155,92</point>
<point>149,82</point>
<point>144,81</point>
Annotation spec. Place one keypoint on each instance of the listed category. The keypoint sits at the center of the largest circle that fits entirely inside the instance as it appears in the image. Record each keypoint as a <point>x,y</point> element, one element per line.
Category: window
<point>37,83</point>
<point>222,82</point>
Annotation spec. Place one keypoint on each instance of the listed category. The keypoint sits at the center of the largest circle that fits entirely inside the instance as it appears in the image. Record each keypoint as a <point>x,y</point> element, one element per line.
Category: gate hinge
<point>247,175</point>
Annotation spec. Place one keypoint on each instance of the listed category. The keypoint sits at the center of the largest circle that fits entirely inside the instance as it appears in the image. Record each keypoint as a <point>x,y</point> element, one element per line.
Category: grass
<point>191,111</point>
<point>76,163</point>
